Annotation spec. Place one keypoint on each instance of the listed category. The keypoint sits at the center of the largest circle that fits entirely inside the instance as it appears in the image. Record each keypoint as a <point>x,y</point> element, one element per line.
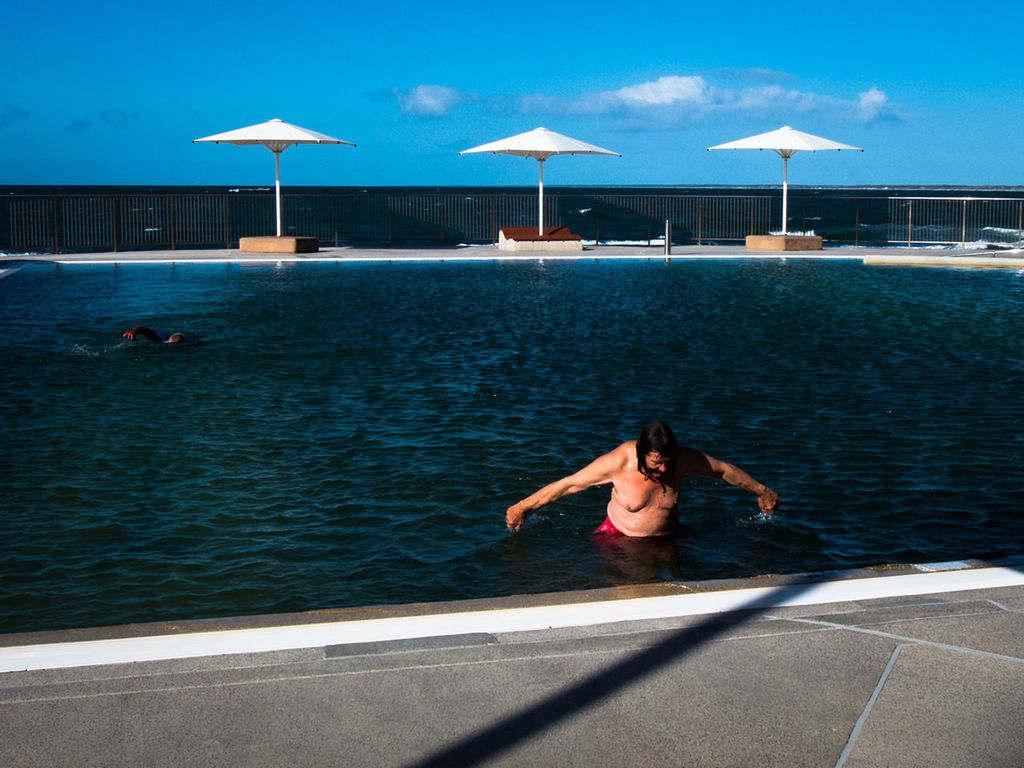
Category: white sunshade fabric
<point>274,131</point>
<point>788,140</point>
<point>540,144</point>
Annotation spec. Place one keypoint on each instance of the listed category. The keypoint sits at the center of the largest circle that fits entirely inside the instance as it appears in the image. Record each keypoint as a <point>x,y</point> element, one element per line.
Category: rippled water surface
<point>351,434</point>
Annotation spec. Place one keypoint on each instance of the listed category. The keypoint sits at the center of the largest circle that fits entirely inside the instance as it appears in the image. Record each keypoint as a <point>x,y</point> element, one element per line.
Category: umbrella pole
<point>785,192</point>
<point>541,198</point>
<point>277,189</point>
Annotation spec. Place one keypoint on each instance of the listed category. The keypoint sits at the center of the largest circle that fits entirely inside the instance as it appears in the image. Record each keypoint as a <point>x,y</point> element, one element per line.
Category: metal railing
<point>956,220</point>
<point>118,222</point>
<point>84,222</point>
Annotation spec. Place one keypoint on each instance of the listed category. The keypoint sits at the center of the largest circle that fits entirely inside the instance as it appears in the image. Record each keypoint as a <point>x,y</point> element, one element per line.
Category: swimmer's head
<point>656,450</point>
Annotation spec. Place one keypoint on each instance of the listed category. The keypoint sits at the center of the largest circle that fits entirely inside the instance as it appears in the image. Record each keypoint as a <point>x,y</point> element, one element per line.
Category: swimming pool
<point>351,434</point>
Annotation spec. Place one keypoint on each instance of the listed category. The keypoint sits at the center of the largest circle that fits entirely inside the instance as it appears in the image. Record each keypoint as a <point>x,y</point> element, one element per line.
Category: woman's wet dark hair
<point>656,437</point>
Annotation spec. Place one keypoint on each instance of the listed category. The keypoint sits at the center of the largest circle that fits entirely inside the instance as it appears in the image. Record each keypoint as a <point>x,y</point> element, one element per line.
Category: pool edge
<point>258,634</point>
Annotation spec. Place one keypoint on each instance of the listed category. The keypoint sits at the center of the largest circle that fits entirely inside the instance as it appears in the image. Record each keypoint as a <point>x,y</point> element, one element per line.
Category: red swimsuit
<point>609,527</point>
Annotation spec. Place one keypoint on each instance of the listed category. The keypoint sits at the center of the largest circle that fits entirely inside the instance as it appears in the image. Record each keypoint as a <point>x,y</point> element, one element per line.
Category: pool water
<point>352,433</point>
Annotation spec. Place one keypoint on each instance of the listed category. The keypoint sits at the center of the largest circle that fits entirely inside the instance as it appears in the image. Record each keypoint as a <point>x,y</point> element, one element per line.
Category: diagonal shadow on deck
<point>521,726</point>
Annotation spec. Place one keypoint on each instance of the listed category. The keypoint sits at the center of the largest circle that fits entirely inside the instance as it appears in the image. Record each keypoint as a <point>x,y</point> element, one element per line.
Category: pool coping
<point>160,641</point>
<point>889,256</point>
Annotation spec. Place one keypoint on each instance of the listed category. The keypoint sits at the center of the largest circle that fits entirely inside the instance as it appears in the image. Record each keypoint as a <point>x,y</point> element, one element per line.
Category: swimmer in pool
<point>645,476</point>
<point>148,333</point>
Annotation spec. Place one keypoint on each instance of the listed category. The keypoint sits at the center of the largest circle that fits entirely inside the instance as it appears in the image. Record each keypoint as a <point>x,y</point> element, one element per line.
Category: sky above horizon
<point>115,92</point>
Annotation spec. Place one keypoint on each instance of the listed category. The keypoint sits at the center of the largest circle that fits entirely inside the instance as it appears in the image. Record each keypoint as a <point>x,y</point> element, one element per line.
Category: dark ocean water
<point>640,189</point>
<point>351,434</point>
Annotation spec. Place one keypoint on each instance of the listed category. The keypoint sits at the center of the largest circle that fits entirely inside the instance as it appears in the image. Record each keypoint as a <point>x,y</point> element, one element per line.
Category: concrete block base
<point>784,242</point>
<point>554,240</point>
<point>278,244</point>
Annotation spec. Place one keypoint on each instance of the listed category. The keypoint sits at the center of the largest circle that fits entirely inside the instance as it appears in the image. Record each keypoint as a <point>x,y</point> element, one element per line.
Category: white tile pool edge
<point>404,258</point>
<point>263,639</point>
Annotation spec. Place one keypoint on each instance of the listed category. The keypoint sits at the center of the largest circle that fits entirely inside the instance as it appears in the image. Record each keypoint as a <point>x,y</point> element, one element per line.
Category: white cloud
<point>671,95</point>
<point>672,100</point>
<point>671,89</point>
<point>669,101</point>
<point>771,99</point>
<point>874,105</point>
<point>775,101</point>
<point>431,100</point>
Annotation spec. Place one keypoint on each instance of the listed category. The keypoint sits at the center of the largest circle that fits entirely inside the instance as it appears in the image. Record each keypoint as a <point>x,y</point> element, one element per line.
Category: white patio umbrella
<point>540,144</point>
<point>786,142</point>
<point>276,135</point>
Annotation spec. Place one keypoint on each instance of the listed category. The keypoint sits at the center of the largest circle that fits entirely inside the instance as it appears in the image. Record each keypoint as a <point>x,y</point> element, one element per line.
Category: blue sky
<point>114,92</point>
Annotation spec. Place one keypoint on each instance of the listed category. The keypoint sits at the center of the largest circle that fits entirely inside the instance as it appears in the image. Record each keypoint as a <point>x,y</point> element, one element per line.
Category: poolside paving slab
<point>946,708</point>
<point>926,679</point>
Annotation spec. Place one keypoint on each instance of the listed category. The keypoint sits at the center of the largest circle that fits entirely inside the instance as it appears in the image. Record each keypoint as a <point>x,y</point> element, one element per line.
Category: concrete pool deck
<point>946,257</point>
<point>896,666</point>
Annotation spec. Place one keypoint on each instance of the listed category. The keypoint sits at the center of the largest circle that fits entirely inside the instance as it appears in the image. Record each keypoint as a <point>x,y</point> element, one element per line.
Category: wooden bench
<point>278,244</point>
<point>784,242</point>
<point>554,239</point>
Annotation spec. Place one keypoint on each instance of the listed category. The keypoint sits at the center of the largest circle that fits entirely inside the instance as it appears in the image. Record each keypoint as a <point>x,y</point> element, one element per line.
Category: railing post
<point>56,228</point>
<point>856,225</point>
<point>648,222</point>
<point>172,224</point>
<point>1020,223</point>
<point>910,224</point>
<point>963,226</point>
<point>113,221</point>
<point>668,237</point>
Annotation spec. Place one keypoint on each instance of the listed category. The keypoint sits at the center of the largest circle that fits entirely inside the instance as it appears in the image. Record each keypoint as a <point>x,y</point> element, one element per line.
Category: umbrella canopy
<point>540,144</point>
<point>786,142</point>
<point>276,135</point>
